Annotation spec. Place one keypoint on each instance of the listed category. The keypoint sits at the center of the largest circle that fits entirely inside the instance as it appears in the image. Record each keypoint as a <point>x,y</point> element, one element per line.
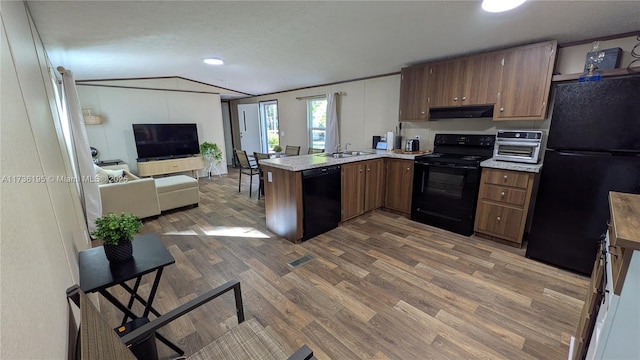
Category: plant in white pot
<point>212,154</point>
<point>116,233</point>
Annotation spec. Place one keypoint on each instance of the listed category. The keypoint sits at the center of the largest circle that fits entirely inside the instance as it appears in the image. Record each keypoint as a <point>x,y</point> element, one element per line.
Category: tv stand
<point>170,166</point>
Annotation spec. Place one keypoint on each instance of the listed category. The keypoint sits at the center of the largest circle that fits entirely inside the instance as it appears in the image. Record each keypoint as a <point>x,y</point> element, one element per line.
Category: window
<point>269,123</point>
<point>317,120</point>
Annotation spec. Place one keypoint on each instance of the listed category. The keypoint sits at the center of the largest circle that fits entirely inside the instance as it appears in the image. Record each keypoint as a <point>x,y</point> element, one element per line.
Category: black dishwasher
<point>320,200</point>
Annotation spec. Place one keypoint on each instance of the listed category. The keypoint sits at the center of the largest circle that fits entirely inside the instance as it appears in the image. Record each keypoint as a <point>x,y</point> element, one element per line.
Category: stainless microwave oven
<point>518,146</point>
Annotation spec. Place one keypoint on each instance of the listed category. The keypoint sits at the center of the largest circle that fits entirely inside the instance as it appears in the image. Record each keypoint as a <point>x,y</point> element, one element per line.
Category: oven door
<point>445,195</point>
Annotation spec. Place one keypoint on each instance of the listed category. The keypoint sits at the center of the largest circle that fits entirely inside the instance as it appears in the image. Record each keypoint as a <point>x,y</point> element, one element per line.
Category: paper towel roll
<point>390,140</point>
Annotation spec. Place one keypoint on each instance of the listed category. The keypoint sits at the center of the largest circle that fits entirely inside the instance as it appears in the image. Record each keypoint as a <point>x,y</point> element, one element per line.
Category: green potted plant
<point>212,154</point>
<point>277,149</point>
<point>116,233</point>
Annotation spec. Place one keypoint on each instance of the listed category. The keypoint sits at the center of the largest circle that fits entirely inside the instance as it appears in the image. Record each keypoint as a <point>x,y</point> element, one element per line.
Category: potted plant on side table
<point>212,154</point>
<point>278,150</point>
<point>116,233</point>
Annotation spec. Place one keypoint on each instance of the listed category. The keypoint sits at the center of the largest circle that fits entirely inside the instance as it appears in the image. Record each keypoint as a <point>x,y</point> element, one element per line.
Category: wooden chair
<point>315,151</point>
<point>292,150</point>
<point>260,156</point>
<point>247,167</point>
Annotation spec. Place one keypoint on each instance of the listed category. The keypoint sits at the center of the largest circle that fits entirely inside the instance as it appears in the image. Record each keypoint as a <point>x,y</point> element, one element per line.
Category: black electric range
<point>446,182</point>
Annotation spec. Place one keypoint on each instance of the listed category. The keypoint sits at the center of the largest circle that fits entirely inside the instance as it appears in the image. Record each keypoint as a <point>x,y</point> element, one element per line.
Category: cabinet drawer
<point>504,195</point>
<point>506,178</point>
<point>501,221</point>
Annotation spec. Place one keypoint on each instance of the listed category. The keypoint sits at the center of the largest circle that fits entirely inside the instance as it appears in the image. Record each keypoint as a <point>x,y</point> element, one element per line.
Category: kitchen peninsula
<point>369,179</point>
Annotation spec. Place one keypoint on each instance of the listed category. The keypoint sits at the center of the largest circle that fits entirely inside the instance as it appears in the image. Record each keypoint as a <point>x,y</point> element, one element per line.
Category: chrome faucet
<point>340,149</point>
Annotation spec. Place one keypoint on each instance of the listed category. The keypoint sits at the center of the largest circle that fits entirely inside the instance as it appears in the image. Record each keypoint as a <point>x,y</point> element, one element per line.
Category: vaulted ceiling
<point>271,46</point>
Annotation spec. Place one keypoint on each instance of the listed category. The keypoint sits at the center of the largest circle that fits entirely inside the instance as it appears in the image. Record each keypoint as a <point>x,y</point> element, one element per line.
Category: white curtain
<point>332,137</point>
<point>89,191</point>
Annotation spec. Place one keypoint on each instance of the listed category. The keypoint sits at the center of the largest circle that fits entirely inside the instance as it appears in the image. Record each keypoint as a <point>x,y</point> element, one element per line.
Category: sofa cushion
<point>173,183</point>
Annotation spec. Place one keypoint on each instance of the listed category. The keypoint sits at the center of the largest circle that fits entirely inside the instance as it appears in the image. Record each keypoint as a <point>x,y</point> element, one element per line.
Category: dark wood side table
<point>97,274</point>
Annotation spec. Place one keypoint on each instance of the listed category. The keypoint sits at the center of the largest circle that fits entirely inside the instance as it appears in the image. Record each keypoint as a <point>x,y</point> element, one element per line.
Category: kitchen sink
<point>336,155</point>
<point>344,154</point>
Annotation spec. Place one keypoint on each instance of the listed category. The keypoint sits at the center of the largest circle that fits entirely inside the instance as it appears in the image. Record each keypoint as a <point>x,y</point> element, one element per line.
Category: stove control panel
<point>529,135</point>
<point>465,140</point>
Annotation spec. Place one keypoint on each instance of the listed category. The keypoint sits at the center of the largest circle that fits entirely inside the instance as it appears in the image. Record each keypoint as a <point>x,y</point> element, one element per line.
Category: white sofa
<point>135,195</point>
<point>147,196</point>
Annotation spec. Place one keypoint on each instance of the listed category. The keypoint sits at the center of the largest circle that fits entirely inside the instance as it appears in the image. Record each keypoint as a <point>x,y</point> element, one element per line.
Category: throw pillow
<point>106,176</point>
<point>101,175</point>
<point>116,175</point>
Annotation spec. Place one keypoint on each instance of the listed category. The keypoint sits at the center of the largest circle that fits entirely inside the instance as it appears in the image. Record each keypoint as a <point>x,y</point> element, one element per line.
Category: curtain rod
<point>318,96</point>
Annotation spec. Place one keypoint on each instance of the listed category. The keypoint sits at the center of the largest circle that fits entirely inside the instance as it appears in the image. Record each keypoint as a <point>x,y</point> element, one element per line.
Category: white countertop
<point>508,165</point>
<point>311,161</point>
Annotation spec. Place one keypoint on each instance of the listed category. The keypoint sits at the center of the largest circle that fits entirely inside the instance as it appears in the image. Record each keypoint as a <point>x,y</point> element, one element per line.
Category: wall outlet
<point>417,137</point>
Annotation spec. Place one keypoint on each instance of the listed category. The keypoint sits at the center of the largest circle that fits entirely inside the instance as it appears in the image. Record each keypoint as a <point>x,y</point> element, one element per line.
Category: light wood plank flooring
<point>380,286</point>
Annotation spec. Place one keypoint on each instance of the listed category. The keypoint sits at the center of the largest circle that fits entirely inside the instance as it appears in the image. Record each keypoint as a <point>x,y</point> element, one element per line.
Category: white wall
<point>41,223</point>
<point>368,107</point>
<point>122,106</point>
<point>571,59</point>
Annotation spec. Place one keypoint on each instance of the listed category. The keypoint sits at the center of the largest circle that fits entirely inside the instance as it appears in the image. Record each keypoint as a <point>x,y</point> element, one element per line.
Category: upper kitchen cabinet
<point>414,102</point>
<point>481,81</point>
<point>516,80</point>
<point>445,83</point>
<point>525,83</point>
<point>468,81</point>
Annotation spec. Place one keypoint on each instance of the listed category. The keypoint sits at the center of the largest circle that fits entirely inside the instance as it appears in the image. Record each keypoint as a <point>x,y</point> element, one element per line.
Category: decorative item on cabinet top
<point>90,118</point>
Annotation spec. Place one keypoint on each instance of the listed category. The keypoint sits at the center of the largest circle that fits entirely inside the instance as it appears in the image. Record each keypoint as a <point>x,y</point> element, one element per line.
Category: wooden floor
<point>380,286</point>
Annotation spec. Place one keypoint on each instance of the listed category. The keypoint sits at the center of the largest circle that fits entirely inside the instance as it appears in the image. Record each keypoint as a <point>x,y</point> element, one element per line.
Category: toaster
<point>412,145</point>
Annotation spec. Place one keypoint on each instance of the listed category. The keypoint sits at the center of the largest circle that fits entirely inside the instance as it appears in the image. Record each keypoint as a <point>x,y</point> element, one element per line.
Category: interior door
<point>249,125</point>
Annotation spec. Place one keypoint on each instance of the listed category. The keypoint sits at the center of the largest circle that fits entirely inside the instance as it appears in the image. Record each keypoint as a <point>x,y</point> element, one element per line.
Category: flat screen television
<point>165,141</point>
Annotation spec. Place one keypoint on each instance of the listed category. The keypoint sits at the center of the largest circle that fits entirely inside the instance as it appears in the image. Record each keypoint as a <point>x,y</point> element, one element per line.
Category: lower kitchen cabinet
<point>399,185</point>
<point>610,322</point>
<point>362,187</point>
<point>591,306</point>
<point>503,203</point>
<point>352,190</point>
<point>374,184</point>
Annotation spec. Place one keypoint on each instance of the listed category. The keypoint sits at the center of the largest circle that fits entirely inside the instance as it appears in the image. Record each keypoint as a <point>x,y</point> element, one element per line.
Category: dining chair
<point>292,150</point>
<point>315,151</point>
<point>260,156</point>
<point>247,167</point>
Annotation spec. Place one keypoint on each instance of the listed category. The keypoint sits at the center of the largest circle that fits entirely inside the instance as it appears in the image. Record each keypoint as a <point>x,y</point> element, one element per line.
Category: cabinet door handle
<point>408,169</point>
<point>502,194</point>
<point>505,177</point>
<point>464,98</point>
<point>501,109</point>
<point>421,112</point>
<point>360,170</point>
<point>455,98</point>
<point>499,218</point>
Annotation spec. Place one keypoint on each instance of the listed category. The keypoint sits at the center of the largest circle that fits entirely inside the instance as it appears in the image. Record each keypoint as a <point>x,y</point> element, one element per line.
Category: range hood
<point>461,112</point>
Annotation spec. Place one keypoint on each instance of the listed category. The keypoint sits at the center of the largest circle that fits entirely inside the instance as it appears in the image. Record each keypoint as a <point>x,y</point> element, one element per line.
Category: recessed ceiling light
<point>496,6</point>
<point>214,61</point>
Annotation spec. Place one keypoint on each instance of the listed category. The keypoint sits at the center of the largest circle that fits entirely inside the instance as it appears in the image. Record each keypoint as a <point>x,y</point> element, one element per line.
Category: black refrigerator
<point>593,147</point>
